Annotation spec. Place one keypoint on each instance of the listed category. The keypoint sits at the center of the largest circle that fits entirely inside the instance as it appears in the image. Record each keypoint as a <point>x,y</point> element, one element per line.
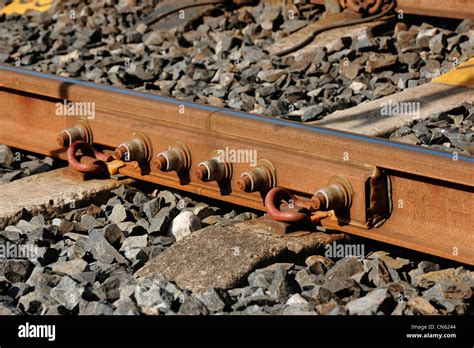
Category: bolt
<point>160,162</point>
<point>63,139</point>
<point>201,173</point>
<point>258,179</point>
<point>175,159</point>
<point>120,152</point>
<point>133,150</point>
<point>333,197</point>
<point>72,134</point>
<point>318,201</point>
<point>244,183</point>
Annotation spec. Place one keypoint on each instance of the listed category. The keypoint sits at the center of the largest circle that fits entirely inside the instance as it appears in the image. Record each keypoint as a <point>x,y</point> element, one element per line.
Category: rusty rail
<point>459,9</point>
<point>410,196</point>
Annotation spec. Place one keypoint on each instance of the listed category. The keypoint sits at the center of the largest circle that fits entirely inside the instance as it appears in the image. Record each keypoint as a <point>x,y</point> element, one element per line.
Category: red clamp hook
<point>275,197</point>
<point>87,150</point>
<point>370,6</point>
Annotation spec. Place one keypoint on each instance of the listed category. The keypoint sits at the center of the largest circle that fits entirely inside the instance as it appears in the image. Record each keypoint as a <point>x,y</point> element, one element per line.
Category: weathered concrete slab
<point>220,257</point>
<point>368,119</point>
<point>47,193</point>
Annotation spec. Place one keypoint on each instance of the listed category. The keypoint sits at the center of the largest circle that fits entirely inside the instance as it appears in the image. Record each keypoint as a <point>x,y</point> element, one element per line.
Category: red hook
<point>87,150</point>
<point>273,200</point>
<point>371,6</point>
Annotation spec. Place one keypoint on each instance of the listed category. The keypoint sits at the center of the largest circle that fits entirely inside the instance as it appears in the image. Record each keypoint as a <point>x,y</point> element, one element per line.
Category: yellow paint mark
<point>462,75</point>
<point>21,6</point>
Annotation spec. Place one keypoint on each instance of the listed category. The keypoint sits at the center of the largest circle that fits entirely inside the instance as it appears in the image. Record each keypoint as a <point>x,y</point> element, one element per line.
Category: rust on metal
<point>393,184</point>
<point>459,9</point>
<point>259,179</point>
<point>92,161</point>
<point>299,210</point>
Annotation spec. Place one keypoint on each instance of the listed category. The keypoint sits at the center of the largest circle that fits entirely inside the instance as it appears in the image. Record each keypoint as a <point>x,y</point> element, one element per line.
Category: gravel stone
<point>134,242</point>
<point>152,298</point>
<point>119,214</point>
<point>184,224</point>
<point>151,208</point>
<point>70,268</point>
<point>97,308</point>
<point>375,301</point>
<point>101,249</point>
<point>67,293</point>
<point>215,300</point>
<point>17,270</point>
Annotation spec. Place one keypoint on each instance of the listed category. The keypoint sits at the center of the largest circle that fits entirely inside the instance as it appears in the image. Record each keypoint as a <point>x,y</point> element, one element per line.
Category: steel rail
<point>459,9</point>
<point>406,195</point>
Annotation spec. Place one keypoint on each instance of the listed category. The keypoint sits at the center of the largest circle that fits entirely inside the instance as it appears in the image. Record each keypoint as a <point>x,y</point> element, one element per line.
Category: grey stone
<point>6,155</point>
<point>97,308</point>
<point>215,300</point>
<point>110,288</point>
<point>34,166</point>
<point>136,255</point>
<point>65,227</point>
<point>168,198</point>
<point>151,298</point>
<point>119,214</point>
<point>7,308</point>
<point>151,207</point>
<point>70,268</point>
<point>260,300</point>
<point>34,303</point>
<point>345,267</point>
<point>75,252</point>
<point>17,270</point>
<point>88,222</point>
<point>192,306</point>
<point>126,307</point>
<point>113,234</point>
<point>419,305</point>
<point>134,242</point>
<point>375,301</point>
<point>318,264</point>
<point>101,249</point>
<point>261,278</point>
<point>298,309</point>
<point>307,280</point>
<point>281,287</point>
<point>380,60</point>
<point>139,199</point>
<point>318,294</point>
<point>343,287</point>
<point>378,273</point>
<point>270,75</point>
<point>67,293</point>
<point>438,43</point>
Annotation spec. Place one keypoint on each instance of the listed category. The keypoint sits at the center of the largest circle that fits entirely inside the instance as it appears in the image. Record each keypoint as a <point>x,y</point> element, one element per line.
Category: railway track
<point>390,194</point>
<point>307,178</point>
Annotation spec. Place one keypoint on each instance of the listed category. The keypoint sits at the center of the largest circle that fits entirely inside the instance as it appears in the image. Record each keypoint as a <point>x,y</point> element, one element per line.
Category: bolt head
<point>159,163</point>
<point>201,173</point>
<point>244,183</point>
<point>62,139</point>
